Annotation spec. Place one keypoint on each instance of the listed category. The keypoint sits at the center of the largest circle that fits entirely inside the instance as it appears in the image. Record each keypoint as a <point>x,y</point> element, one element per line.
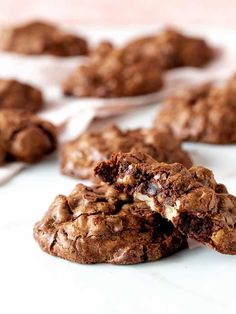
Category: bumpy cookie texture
<point>20,96</point>
<point>191,199</point>
<point>110,74</point>
<point>79,156</point>
<point>25,137</point>
<point>202,114</point>
<point>38,38</point>
<point>97,224</point>
<point>171,49</point>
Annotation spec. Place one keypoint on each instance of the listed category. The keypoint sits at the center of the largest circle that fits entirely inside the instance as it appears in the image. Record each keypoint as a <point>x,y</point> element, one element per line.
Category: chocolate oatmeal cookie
<point>98,225</point>
<point>20,96</point>
<point>25,137</point>
<point>114,76</point>
<point>79,156</point>
<point>191,199</point>
<point>171,49</point>
<point>39,38</point>
<point>203,114</point>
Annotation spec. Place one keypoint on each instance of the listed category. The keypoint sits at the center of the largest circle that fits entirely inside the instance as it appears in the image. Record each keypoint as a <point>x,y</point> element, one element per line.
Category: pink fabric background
<point>122,12</point>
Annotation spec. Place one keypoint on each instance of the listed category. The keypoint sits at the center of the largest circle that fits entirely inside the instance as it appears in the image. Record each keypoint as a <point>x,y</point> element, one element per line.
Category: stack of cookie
<point>99,224</point>
<point>141,211</point>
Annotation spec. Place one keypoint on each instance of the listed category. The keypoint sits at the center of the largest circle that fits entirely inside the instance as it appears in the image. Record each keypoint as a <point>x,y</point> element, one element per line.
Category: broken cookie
<point>25,137</point>
<point>20,96</point>
<point>191,199</point>
<point>39,38</point>
<point>202,114</point>
<point>98,225</point>
<point>79,156</point>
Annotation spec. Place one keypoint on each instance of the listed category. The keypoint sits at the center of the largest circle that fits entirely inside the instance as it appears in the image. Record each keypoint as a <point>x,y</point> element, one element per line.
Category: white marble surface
<point>192,281</point>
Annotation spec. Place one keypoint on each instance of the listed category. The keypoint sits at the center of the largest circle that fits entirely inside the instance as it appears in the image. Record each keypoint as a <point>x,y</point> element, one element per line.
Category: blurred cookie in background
<point>25,137</point>
<point>20,96</point>
<point>171,48</point>
<point>41,38</point>
<point>109,74</point>
<point>204,113</point>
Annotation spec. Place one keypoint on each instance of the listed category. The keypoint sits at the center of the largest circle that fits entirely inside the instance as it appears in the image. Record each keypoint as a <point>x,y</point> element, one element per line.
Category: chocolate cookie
<point>79,156</point>
<point>20,96</point>
<point>202,114</point>
<point>25,137</point>
<point>191,199</point>
<point>171,49</point>
<point>114,76</point>
<point>39,38</point>
<point>97,224</point>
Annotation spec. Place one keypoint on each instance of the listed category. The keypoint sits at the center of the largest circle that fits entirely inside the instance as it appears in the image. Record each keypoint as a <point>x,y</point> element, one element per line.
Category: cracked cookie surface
<point>97,224</point>
<point>191,199</point>
<point>79,156</point>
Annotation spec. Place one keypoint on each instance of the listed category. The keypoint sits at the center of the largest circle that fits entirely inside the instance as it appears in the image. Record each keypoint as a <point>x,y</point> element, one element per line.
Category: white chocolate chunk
<point>172,211</point>
<point>127,179</point>
<point>149,200</point>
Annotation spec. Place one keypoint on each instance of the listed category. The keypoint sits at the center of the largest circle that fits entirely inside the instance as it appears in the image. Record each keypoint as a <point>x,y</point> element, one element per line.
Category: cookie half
<point>79,156</point>
<point>191,199</point>
<point>98,225</point>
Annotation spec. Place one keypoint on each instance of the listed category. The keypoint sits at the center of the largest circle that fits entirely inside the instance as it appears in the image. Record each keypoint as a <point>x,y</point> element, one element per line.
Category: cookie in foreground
<point>191,199</point>
<point>20,96</point>
<point>99,225</point>
<point>25,137</point>
<point>79,156</point>
<point>204,113</point>
<point>41,38</point>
